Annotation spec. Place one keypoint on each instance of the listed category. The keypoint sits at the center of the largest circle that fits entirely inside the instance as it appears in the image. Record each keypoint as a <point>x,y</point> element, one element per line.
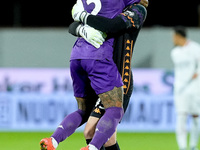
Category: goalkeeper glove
<point>78,12</point>
<point>91,35</point>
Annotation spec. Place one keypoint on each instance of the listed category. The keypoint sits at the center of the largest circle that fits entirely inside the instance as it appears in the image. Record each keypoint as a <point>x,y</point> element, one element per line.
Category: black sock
<point>89,140</point>
<point>113,147</point>
<point>102,148</point>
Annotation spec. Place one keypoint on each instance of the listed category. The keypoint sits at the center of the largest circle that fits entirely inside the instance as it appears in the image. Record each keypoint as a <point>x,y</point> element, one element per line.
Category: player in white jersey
<point>186,59</point>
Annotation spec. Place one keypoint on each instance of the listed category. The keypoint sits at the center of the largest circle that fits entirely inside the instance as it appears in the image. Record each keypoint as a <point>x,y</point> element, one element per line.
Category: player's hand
<point>92,36</point>
<point>195,75</point>
<point>145,3</point>
<point>78,12</point>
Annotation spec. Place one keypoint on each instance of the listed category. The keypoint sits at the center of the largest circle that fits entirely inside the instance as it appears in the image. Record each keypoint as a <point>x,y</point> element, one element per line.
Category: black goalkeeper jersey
<point>122,56</point>
<point>125,28</point>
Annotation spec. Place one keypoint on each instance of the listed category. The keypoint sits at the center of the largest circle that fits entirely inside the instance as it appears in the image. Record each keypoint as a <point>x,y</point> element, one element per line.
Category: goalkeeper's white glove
<point>78,12</point>
<point>91,35</point>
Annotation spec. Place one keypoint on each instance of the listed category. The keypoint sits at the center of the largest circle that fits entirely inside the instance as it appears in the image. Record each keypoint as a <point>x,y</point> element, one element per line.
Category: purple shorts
<point>101,75</point>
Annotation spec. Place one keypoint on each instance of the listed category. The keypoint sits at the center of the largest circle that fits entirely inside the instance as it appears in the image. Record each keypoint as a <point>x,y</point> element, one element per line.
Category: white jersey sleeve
<point>196,53</point>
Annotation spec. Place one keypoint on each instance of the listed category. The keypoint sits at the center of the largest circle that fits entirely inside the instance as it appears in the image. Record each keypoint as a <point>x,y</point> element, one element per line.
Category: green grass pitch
<point>127,141</point>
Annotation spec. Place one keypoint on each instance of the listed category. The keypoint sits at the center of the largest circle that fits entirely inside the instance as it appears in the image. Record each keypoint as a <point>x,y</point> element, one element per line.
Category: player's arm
<point>195,75</point>
<point>196,55</point>
<point>74,28</point>
<point>111,25</point>
<point>91,35</point>
<point>133,16</point>
<point>197,68</point>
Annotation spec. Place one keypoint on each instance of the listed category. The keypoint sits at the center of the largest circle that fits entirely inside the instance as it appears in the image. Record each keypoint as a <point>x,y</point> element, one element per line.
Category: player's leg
<point>70,122</point>
<point>89,131</point>
<point>106,126</point>
<point>112,144</point>
<point>75,119</point>
<point>181,131</point>
<point>107,83</point>
<point>67,127</point>
<point>194,132</point>
<point>90,126</point>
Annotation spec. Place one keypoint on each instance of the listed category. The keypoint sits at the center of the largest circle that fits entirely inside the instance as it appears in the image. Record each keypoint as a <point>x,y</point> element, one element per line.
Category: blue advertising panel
<point>38,100</point>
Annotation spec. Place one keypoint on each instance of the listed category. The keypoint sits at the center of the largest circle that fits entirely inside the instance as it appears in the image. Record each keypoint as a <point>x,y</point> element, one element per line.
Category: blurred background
<point>35,81</point>
<point>43,27</point>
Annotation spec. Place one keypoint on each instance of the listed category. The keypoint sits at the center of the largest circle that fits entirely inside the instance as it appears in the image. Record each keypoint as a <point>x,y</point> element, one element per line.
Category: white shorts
<point>187,104</point>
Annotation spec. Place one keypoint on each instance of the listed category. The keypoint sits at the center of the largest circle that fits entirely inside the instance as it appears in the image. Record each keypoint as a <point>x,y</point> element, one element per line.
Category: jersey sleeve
<point>106,24</point>
<point>73,28</point>
<point>133,16</point>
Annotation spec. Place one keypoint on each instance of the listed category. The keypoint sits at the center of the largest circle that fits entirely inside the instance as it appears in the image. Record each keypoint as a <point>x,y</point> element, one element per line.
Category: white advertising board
<point>38,99</point>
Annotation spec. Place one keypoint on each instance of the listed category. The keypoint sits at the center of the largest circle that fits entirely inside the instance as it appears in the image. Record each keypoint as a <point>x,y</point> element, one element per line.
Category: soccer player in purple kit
<point>130,27</point>
<point>94,66</point>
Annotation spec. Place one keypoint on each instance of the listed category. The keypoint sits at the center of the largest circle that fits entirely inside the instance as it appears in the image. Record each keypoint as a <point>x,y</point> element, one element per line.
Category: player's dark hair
<point>181,31</point>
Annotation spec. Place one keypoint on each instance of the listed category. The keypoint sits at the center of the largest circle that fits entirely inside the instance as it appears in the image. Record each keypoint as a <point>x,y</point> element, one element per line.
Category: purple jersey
<point>129,2</point>
<point>106,8</point>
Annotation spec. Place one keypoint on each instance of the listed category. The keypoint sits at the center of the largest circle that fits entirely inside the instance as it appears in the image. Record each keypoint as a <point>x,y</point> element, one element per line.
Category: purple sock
<point>68,126</point>
<point>106,126</point>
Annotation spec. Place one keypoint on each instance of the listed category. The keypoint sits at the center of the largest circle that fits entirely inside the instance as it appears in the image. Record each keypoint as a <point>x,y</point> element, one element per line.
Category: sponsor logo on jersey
<point>60,126</point>
<point>97,110</point>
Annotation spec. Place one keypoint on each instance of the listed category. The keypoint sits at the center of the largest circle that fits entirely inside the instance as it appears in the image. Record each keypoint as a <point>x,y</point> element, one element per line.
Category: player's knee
<point>115,98</point>
<point>88,133</point>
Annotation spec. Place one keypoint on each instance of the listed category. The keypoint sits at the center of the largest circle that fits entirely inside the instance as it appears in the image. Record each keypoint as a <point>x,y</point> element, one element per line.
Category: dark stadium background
<point>34,37</point>
<point>33,13</point>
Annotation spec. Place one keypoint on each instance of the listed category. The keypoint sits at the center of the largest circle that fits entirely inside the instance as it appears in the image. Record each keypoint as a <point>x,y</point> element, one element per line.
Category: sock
<point>88,141</point>
<point>113,147</point>
<point>194,132</point>
<point>102,148</point>
<point>92,147</point>
<point>54,142</point>
<point>68,126</point>
<point>181,132</point>
<point>106,126</point>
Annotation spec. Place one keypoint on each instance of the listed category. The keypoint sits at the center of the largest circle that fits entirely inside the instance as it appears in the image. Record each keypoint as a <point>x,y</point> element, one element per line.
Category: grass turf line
<point>127,141</point>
